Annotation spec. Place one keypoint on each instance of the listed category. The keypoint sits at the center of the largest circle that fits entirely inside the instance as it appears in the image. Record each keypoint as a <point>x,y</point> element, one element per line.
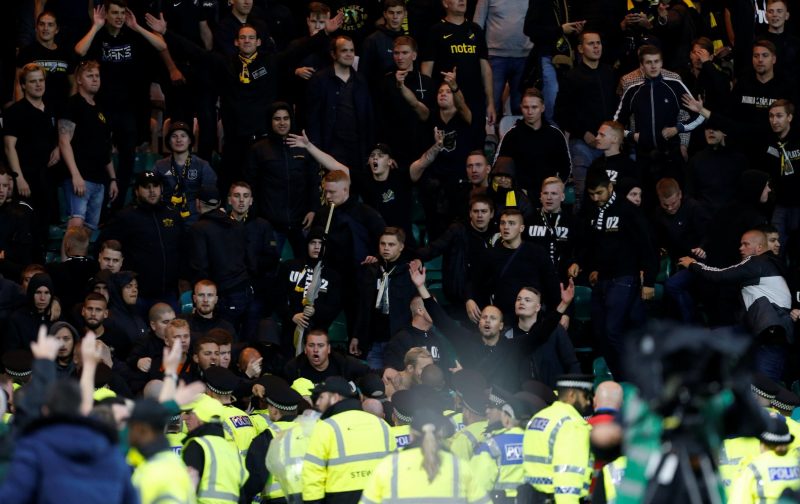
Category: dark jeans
<point>678,287</point>
<point>233,306</point>
<point>124,135</point>
<point>770,359</point>
<point>613,301</point>
<point>234,155</point>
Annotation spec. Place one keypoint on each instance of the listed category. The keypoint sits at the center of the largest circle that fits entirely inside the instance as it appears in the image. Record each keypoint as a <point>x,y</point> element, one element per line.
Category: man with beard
<point>622,260</point>
<point>318,362</point>
<point>295,277</point>
<point>151,234</point>
<point>67,337</point>
<point>205,352</point>
<point>94,313</point>
<point>151,346</point>
<point>558,437</point>
<point>203,318</point>
<point>285,181</point>
<point>24,321</point>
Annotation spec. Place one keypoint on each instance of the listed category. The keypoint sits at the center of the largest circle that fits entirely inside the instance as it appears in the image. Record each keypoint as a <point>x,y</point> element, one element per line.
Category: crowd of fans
<point>412,197</point>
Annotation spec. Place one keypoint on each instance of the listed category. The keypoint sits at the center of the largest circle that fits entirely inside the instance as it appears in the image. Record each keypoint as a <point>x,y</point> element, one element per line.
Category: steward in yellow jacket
<point>163,476</point>
<point>345,446</point>
<point>558,462</point>
<point>770,473</point>
<point>424,472</point>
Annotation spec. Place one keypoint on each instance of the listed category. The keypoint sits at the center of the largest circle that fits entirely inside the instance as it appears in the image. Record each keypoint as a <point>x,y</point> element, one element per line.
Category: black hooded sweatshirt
<point>124,325</point>
<point>218,251</point>
<point>285,180</point>
<point>24,324</point>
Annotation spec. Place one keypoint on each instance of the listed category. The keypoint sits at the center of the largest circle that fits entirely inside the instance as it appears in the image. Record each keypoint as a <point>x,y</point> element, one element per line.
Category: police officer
<point>735,453</point>
<point>613,474</point>
<point>402,416</point>
<point>556,444</point>
<point>278,408</point>
<point>497,463</point>
<point>289,449</point>
<point>220,384</point>
<point>278,404</point>
<point>770,473</point>
<point>220,471</point>
<point>345,446</point>
<point>785,403</point>
<point>474,399</point>
<point>424,472</point>
<point>163,476</point>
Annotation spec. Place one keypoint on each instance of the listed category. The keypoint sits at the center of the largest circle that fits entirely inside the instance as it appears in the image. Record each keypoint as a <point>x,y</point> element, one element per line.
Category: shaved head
<point>608,395</point>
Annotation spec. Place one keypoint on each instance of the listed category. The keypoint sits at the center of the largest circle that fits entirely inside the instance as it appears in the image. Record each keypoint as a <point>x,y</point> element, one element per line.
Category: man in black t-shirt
<point>387,187</point>
<point>204,317</point>
<point>453,120</point>
<point>241,13</point>
<point>318,362</point>
<point>31,144</point>
<point>57,60</point>
<point>84,138</point>
<point>461,44</point>
<point>409,98</point>
<point>115,41</point>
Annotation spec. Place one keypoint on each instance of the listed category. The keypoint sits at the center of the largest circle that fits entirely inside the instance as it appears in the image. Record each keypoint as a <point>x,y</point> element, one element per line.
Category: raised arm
<point>90,357</point>
<point>420,108</point>
<point>417,168</point>
<point>488,86</point>
<point>326,160</point>
<point>155,39</point>
<point>98,21</point>
<point>458,96</point>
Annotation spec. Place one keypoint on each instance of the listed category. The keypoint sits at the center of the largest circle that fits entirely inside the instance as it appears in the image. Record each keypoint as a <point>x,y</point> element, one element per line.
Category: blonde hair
<point>431,460</point>
<point>176,324</point>
<point>414,355</point>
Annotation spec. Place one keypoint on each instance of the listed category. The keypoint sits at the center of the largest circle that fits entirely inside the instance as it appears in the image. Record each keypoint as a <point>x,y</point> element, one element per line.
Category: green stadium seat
<point>186,303</point>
